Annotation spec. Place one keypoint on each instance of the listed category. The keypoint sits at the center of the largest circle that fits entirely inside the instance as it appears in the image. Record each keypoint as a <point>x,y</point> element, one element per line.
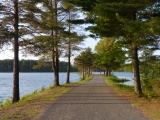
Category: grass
<point>33,105</point>
<point>150,106</point>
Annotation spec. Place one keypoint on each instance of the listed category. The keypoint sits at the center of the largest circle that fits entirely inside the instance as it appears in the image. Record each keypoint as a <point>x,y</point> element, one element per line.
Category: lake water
<point>126,75</point>
<point>29,82</point>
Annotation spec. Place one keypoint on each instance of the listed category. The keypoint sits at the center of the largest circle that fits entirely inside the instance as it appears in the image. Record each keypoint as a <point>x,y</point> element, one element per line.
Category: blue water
<point>126,75</point>
<point>29,82</point>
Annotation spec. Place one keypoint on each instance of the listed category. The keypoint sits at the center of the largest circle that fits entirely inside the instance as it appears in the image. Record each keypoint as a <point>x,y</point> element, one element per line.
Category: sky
<point>89,42</point>
<point>8,54</point>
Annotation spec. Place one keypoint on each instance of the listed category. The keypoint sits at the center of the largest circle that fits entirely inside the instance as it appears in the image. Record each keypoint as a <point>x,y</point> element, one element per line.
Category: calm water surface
<point>126,75</point>
<point>29,82</point>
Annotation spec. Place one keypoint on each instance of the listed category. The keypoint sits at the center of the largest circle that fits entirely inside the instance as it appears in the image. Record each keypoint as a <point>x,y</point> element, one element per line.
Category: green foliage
<point>109,55</point>
<point>150,73</point>
<point>127,67</point>
<point>42,89</point>
<point>84,59</point>
<point>87,5</point>
<point>151,87</point>
<point>1,105</point>
<point>7,103</point>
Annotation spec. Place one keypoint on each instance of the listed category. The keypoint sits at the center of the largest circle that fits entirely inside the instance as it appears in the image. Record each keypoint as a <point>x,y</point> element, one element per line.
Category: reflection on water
<point>126,75</point>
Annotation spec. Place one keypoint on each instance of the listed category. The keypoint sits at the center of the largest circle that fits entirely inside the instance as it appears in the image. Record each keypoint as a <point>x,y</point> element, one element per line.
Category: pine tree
<point>72,38</point>
<point>123,19</point>
<point>10,31</point>
<point>84,61</point>
<point>109,54</point>
<point>47,23</point>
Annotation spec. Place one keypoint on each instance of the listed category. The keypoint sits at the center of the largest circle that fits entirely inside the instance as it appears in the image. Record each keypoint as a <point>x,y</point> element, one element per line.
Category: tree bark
<point>69,53</point>
<point>16,95</point>
<point>83,72</point>
<point>89,71</point>
<point>69,64</point>
<point>55,58</point>
<point>109,73</point>
<point>106,72</point>
<point>135,64</point>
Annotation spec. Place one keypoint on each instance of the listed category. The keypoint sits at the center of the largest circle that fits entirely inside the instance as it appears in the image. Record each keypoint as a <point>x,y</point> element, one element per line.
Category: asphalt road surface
<point>94,100</point>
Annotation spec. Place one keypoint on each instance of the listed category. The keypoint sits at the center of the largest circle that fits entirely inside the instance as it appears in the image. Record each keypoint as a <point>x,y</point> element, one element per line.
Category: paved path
<point>93,100</point>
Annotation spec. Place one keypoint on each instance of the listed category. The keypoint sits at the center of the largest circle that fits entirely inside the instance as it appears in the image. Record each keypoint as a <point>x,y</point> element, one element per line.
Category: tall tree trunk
<point>109,73</point>
<point>57,68</point>
<point>83,72</point>
<point>16,95</point>
<point>135,64</point>
<point>69,63</point>
<point>106,72</point>
<point>89,71</point>
<point>69,53</point>
<point>56,49</point>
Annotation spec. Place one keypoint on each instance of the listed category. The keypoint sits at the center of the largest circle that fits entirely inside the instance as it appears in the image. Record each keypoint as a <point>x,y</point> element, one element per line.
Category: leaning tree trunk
<point>135,64</point>
<point>16,95</point>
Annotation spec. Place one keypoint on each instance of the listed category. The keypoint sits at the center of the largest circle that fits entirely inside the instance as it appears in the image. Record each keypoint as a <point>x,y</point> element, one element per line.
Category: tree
<point>16,95</point>
<point>121,19</point>
<point>69,8</point>
<point>72,38</point>
<point>85,61</point>
<point>5,35</point>
<point>124,19</point>
<point>109,54</point>
<point>47,23</point>
<point>10,31</point>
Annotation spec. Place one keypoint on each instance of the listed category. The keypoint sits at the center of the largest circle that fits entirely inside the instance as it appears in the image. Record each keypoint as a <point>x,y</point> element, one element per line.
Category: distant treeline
<point>27,66</point>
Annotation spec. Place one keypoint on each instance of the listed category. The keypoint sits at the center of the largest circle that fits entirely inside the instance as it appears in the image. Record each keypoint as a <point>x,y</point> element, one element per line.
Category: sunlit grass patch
<point>149,105</point>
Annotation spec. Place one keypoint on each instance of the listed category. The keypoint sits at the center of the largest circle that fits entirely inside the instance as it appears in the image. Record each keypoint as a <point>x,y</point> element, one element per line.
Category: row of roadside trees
<point>134,24</point>
<point>108,56</point>
<point>41,28</point>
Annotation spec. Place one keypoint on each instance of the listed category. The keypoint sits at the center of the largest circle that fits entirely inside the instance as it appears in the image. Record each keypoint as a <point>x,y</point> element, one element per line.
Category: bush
<point>7,103</point>
<point>151,87</point>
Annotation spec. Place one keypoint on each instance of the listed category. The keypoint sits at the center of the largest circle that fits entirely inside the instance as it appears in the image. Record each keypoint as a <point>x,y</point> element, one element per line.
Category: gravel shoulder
<point>94,100</point>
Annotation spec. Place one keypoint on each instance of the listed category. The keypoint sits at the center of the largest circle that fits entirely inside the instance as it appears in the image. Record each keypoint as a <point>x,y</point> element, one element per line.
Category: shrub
<point>7,103</point>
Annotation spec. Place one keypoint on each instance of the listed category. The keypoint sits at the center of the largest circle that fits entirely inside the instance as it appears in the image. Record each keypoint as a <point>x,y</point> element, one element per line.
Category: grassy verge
<point>150,106</point>
<point>32,105</point>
